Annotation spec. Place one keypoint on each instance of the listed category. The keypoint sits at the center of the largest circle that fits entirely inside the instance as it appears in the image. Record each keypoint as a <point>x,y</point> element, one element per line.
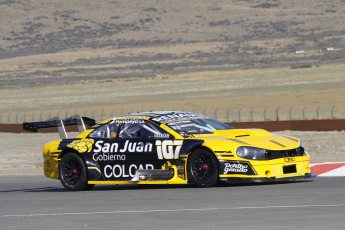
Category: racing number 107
<point>165,149</point>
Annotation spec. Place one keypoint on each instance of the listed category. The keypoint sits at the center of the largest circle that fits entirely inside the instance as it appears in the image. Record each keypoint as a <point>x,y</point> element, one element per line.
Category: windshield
<point>197,126</point>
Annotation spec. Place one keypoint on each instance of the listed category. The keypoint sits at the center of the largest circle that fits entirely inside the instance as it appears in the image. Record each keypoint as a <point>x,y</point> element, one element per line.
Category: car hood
<point>252,137</point>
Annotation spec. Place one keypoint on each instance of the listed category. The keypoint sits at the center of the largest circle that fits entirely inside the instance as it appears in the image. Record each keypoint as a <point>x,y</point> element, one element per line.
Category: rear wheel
<point>72,173</point>
<point>203,168</point>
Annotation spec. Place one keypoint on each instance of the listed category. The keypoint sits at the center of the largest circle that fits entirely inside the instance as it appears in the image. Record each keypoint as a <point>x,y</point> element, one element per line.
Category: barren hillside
<point>57,42</point>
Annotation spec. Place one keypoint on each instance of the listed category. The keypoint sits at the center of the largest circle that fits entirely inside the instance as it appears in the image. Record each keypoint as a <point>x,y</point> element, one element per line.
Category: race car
<point>167,147</point>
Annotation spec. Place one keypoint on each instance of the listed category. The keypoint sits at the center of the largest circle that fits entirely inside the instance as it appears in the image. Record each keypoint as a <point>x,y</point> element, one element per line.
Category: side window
<point>151,130</point>
<point>113,130</point>
<point>101,132</point>
<point>137,130</point>
<point>130,130</point>
<point>105,131</point>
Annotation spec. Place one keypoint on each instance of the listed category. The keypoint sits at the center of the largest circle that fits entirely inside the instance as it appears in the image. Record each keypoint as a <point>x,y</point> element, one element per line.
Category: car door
<point>138,142</point>
<point>123,146</point>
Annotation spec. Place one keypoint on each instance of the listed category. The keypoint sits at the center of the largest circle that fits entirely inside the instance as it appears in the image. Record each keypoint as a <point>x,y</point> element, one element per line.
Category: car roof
<point>155,113</point>
<point>165,116</point>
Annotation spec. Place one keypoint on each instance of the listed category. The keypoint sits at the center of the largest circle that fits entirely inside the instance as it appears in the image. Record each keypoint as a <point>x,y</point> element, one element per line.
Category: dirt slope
<point>58,42</point>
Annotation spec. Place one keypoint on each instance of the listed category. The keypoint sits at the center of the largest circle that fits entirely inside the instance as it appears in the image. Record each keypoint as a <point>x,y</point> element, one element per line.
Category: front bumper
<point>275,170</point>
<point>266,179</point>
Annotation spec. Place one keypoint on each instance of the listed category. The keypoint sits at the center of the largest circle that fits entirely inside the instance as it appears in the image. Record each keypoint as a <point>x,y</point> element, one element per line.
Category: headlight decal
<point>237,141</point>
<point>290,138</point>
<point>277,143</point>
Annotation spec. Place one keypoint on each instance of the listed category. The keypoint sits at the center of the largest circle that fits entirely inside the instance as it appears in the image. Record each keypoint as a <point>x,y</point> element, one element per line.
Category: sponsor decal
<point>238,168</point>
<point>130,120</point>
<point>128,146</point>
<point>177,116</point>
<point>108,157</point>
<point>168,149</point>
<point>162,135</point>
<point>289,159</point>
<point>124,171</point>
<point>82,146</point>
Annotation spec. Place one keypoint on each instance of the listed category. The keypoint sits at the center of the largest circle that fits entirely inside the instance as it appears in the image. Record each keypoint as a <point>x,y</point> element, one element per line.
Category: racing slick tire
<point>72,173</point>
<point>203,168</point>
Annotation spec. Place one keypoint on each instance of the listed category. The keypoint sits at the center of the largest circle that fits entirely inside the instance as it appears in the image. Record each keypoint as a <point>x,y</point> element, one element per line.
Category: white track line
<point>170,210</point>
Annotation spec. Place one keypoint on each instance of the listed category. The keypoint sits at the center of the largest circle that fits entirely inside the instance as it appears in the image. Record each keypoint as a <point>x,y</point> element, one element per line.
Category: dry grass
<point>322,86</point>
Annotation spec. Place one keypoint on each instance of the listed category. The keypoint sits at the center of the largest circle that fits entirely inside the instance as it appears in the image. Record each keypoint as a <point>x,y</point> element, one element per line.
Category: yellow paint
<point>222,143</point>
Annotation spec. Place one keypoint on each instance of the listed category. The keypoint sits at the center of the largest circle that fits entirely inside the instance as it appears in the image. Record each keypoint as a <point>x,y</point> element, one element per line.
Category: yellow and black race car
<point>168,148</point>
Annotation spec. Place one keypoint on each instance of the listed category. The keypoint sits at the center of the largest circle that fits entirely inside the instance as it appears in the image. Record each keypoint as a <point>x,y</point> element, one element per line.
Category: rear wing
<point>60,124</point>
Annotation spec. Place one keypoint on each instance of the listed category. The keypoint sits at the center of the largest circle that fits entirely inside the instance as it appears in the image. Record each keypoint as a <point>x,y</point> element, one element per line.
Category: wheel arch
<point>69,150</point>
<point>94,173</point>
<point>191,150</point>
<point>190,153</point>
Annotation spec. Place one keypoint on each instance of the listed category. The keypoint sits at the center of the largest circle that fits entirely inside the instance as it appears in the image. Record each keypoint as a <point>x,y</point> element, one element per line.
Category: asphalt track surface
<point>34,202</point>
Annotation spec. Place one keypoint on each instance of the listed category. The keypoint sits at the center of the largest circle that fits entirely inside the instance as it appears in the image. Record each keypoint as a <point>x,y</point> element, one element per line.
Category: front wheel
<point>203,168</point>
<point>72,173</point>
